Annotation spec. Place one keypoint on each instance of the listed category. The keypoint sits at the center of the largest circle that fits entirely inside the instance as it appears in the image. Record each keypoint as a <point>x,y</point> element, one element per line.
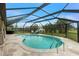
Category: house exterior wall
<point>2,23</point>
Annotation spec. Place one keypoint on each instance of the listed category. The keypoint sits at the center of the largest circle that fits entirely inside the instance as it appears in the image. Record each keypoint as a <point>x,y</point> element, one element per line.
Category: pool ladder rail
<point>57,47</point>
<point>24,40</point>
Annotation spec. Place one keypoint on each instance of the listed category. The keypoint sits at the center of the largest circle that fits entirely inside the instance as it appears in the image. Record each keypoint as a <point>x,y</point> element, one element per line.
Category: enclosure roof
<point>41,12</point>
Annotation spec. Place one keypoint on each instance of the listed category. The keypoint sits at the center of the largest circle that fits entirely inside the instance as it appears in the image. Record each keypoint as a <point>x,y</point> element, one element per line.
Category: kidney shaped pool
<point>39,41</point>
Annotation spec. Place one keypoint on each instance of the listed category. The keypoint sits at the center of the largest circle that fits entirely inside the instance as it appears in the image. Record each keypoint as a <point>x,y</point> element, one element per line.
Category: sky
<point>53,7</point>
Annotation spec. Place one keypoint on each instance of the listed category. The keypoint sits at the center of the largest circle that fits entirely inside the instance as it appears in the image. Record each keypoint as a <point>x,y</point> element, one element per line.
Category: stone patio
<point>12,47</point>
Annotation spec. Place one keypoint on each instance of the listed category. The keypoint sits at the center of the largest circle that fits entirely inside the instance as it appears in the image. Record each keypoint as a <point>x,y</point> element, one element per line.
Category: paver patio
<point>13,48</point>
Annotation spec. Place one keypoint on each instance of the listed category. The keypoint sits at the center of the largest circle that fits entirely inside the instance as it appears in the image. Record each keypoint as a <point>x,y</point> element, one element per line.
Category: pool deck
<point>12,47</point>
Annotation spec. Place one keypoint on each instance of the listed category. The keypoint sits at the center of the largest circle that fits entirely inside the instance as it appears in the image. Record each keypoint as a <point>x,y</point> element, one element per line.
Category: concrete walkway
<point>13,48</point>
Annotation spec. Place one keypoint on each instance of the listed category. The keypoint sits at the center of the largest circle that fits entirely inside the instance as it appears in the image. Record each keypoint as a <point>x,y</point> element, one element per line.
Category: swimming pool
<point>40,41</point>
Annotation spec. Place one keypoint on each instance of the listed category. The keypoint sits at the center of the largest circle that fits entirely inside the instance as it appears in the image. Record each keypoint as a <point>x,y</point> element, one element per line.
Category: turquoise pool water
<point>41,41</point>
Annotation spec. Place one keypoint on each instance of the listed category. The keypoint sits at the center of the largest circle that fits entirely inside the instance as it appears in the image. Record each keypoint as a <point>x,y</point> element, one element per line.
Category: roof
<point>41,12</point>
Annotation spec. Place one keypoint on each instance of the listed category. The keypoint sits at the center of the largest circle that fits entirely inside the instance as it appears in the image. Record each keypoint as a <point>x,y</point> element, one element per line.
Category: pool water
<point>41,41</point>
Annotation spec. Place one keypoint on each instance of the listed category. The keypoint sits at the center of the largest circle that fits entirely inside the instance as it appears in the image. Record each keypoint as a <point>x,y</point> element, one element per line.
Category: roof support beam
<point>17,15</point>
<point>66,30</point>
<point>71,11</point>
<point>74,21</point>
<point>78,32</point>
<point>21,8</point>
<point>57,18</point>
<point>44,20</point>
<point>21,15</point>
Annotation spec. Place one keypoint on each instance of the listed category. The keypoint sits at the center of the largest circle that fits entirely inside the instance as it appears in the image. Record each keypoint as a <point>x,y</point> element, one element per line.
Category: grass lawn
<point>72,34</point>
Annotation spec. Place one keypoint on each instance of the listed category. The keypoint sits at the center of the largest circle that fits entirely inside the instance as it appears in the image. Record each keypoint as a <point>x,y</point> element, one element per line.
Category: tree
<point>49,28</point>
<point>61,25</point>
<point>34,27</point>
